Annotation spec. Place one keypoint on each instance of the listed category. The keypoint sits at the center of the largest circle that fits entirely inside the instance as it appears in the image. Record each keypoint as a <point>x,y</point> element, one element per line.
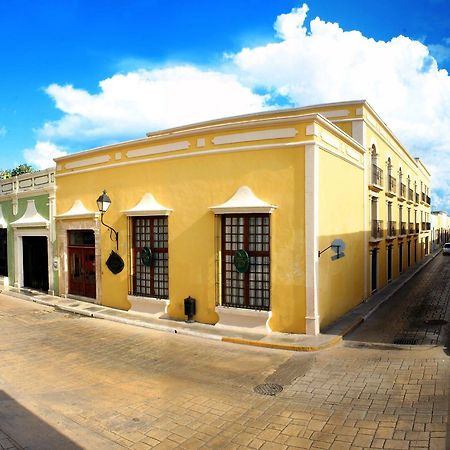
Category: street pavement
<point>75,382</point>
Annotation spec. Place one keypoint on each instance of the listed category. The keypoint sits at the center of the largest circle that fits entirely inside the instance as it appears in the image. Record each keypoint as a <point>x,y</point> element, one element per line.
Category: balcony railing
<point>428,199</point>
<point>411,228</point>
<point>410,195</point>
<point>392,182</point>
<point>403,228</point>
<point>392,228</point>
<point>417,227</point>
<point>424,196</point>
<point>44,179</point>
<point>377,229</point>
<point>417,197</point>
<point>402,190</point>
<point>426,226</point>
<point>377,175</point>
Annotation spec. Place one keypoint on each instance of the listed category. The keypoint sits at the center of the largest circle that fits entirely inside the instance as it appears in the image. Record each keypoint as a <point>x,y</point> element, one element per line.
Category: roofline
<point>217,125</point>
<point>235,119</point>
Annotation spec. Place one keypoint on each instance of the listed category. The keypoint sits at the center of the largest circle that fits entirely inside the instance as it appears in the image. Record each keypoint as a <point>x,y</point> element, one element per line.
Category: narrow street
<point>72,382</point>
<point>419,314</point>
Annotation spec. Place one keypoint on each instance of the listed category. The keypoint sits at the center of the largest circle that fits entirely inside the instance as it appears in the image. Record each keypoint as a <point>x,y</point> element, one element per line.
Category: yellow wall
<point>341,197</point>
<point>377,134</point>
<point>204,172</point>
<point>190,186</point>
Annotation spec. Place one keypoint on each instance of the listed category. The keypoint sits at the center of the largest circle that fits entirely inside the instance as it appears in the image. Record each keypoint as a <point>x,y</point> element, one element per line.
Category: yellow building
<point>274,221</point>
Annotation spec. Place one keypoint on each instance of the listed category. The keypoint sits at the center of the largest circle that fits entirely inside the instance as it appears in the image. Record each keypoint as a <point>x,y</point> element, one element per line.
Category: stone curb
<point>333,340</point>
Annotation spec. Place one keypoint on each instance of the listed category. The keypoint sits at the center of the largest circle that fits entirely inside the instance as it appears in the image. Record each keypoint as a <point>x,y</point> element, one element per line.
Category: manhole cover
<point>405,341</point>
<point>93,308</point>
<point>74,305</point>
<point>438,322</point>
<point>268,389</point>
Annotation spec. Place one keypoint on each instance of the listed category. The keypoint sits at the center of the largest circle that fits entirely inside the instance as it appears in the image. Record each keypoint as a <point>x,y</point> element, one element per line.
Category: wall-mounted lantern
<point>103,203</point>
<point>338,247</point>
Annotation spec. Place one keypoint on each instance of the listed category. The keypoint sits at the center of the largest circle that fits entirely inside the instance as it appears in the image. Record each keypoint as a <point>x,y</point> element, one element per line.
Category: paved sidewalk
<point>331,336</point>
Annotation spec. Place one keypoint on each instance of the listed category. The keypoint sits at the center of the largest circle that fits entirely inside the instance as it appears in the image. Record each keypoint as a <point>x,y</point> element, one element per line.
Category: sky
<point>84,73</point>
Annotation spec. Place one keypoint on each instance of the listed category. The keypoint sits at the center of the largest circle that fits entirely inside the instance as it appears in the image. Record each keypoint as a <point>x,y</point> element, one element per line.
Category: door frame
<point>69,224</point>
<point>82,253</point>
<point>19,233</point>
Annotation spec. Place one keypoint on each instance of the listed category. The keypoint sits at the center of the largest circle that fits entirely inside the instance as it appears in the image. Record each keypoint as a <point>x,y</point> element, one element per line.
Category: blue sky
<point>78,74</point>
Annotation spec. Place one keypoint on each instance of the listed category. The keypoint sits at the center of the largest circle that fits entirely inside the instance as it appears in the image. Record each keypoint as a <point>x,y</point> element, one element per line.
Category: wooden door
<point>82,271</point>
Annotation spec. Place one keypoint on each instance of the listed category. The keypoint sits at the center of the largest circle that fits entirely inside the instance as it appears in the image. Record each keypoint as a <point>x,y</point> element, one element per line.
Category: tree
<point>18,170</point>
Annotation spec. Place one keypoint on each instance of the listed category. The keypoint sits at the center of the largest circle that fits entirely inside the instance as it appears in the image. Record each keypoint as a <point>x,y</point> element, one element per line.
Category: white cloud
<point>41,156</point>
<point>145,100</point>
<point>305,63</point>
<point>323,63</point>
<point>3,131</point>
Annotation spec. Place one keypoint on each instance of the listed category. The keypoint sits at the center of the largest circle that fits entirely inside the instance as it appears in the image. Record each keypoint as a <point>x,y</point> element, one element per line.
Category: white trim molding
<point>62,260</point>
<point>87,162</point>
<point>78,211</point>
<point>148,206</point>
<point>250,319</point>
<point>19,233</point>
<point>31,218</point>
<point>148,305</point>
<point>312,318</point>
<point>278,133</point>
<point>163,148</point>
<point>243,201</point>
<point>3,223</point>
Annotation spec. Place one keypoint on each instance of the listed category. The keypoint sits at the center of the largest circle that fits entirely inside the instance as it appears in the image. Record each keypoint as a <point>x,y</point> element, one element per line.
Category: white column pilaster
<point>311,238</point>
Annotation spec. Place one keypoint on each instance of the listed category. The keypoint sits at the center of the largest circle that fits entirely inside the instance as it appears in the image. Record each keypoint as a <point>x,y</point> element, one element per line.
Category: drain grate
<point>405,341</point>
<point>436,322</point>
<point>268,389</point>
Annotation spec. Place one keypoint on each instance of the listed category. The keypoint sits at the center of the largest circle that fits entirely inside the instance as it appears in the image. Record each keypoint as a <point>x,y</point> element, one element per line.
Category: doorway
<point>389,262</point>
<point>81,250</point>
<point>374,268</point>
<point>35,262</point>
<point>3,252</point>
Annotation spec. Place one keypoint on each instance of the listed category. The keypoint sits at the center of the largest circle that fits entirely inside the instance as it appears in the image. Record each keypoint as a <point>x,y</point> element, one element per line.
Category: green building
<point>27,232</point>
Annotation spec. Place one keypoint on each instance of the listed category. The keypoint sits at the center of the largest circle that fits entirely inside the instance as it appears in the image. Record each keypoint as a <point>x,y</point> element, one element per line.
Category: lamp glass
<point>103,202</point>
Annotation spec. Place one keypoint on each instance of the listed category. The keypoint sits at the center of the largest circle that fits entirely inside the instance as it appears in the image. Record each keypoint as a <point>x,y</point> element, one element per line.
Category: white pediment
<point>31,218</point>
<point>148,206</point>
<point>243,201</point>
<point>78,211</point>
<point>3,223</point>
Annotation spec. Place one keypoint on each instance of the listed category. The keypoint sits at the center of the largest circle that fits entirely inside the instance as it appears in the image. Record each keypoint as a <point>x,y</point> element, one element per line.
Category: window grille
<point>151,279</point>
<point>250,289</point>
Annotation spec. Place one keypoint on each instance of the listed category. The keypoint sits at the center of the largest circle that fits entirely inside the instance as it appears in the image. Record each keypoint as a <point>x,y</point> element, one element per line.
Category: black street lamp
<point>103,203</point>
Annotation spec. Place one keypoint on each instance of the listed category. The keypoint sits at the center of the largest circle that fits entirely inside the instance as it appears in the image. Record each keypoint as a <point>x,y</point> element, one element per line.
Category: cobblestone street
<point>70,382</point>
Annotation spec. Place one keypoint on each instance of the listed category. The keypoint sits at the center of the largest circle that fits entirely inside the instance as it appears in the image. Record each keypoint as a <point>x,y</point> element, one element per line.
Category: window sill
<point>148,305</point>
<point>249,319</point>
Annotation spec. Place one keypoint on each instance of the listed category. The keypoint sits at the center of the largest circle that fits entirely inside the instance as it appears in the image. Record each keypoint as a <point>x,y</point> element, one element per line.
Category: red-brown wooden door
<point>82,271</point>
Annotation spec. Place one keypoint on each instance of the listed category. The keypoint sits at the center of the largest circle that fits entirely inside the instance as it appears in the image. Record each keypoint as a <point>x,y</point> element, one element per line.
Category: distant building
<point>440,226</point>
<point>282,220</point>
<point>27,231</point>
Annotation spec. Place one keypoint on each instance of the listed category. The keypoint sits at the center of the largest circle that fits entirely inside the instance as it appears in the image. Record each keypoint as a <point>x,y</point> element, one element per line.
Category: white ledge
<point>148,206</point>
<point>31,218</point>
<point>243,201</point>
<point>78,211</point>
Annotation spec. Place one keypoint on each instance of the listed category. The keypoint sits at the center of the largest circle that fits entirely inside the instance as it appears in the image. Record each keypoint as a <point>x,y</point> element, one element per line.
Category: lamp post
<point>103,203</point>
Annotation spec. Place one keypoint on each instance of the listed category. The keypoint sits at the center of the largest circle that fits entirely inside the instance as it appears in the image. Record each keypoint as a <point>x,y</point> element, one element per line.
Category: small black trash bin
<point>189,308</point>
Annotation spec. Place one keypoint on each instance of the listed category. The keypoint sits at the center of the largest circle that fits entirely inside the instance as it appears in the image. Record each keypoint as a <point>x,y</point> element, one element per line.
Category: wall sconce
<point>338,247</point>
<point>103,203</point>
